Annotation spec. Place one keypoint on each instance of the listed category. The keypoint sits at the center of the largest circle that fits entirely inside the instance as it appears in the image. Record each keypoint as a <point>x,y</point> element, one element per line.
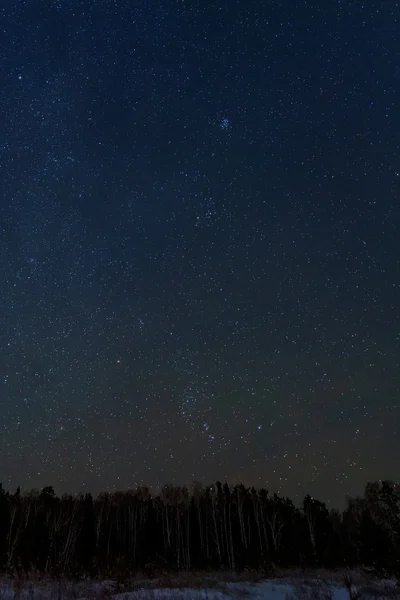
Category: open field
<point>293,585</point>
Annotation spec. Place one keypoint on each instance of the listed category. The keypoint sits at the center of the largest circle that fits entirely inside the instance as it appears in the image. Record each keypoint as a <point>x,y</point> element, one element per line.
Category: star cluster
<point>199,244</point>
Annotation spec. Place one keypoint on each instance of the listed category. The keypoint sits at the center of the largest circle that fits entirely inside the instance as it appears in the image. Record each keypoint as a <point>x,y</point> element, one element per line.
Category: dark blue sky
<point>200,245</point>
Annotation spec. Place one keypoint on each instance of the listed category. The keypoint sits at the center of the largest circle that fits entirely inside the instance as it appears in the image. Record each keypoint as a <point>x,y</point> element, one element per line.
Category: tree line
<point>204,527</point>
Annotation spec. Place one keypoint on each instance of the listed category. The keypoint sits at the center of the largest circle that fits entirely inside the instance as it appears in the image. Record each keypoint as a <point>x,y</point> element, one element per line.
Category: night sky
<point>200,244</point>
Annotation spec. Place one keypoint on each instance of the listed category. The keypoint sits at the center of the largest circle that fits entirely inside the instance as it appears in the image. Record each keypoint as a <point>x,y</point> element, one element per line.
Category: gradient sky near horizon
<point>199,244</point>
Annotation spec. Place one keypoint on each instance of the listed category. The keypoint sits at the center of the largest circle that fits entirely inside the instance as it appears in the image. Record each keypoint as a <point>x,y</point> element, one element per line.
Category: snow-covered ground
<point>290,587</point>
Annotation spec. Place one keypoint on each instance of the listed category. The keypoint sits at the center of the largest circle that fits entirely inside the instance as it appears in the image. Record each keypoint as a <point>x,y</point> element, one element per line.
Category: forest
<point>204,528</point>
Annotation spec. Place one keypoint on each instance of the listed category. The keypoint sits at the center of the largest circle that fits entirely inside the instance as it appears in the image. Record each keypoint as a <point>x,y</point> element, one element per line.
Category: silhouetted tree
<point>215,526</point>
